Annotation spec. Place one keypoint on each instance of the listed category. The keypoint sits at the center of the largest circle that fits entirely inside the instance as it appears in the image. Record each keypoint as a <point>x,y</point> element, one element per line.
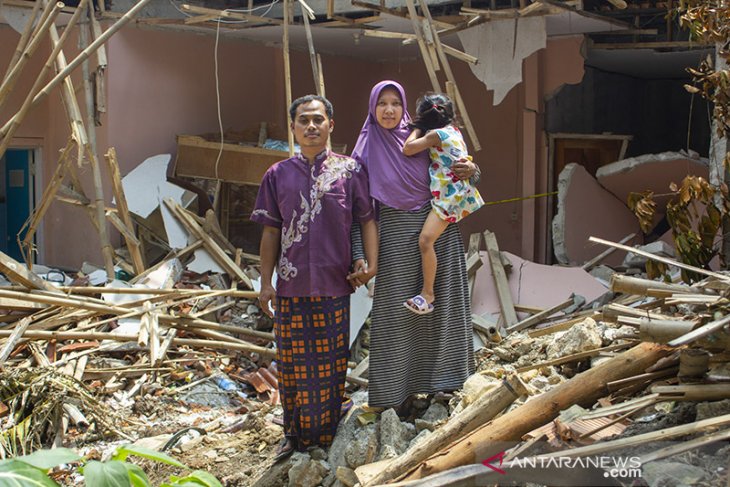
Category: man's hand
<point>361,273</point>
<point>464,168</point>
<point>267,296</point>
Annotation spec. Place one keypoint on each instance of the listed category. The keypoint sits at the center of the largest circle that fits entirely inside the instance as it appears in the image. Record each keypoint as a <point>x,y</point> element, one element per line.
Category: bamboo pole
<point>24,36</point>
<point>661,259</point>
<point>95,335</point>
<point>189,293</point>
<point>49,15</point>
<point>13,124</point>
<point>450,76</point>
<point>46,90</point>
<point>85,144</point>
<point>312,52</point>
<point>425,55</point>
<point>646,287</point>
<point>287,74</point>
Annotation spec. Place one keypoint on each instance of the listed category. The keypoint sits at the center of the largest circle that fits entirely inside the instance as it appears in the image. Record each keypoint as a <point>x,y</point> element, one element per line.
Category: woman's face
<point>389,109</point>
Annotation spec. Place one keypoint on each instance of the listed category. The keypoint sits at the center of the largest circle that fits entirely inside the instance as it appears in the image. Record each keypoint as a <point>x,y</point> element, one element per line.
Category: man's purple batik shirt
<point>314,206</point>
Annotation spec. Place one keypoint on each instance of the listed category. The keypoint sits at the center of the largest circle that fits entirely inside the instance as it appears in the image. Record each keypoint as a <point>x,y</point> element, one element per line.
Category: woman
<point>410,353</point>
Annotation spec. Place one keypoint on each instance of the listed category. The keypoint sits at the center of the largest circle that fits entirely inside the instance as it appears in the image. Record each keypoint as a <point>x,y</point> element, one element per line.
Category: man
<point>307,204</point>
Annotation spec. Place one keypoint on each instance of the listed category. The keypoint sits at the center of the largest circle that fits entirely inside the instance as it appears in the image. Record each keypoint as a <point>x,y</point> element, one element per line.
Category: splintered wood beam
<point>425,54</point>
<point>123,209</point>
<point>506,304</point>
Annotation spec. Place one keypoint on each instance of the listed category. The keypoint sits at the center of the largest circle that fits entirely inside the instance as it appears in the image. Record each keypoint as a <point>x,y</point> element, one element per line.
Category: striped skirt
<point>312,340</point>
<point>412,353</point>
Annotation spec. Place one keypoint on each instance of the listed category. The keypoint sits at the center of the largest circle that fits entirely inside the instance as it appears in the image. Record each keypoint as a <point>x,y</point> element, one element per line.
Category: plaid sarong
<point>312,340</point>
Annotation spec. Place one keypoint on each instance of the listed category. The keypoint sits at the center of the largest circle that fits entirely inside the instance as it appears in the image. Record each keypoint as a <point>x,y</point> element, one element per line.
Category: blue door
<point>18,201</point>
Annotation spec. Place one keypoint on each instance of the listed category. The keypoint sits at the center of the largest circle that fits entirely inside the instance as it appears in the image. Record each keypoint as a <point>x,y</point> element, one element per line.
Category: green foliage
<point>694,219</point>
<point>32,470</point>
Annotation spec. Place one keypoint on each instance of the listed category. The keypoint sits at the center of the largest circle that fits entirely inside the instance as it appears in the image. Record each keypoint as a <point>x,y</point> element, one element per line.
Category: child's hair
<point>433,111</point>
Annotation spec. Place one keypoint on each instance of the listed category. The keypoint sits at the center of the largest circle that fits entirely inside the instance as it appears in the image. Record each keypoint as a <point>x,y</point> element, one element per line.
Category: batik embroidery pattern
<point>333,169</point>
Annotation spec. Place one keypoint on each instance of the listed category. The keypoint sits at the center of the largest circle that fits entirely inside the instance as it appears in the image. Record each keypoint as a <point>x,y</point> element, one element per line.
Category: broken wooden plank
<point>537,318</point>
<point>287,73</point>
<point>12,341</point>
<point>121,201</point>
<point>506,304</point>
<point>19,273</point>
<point>216,252</point>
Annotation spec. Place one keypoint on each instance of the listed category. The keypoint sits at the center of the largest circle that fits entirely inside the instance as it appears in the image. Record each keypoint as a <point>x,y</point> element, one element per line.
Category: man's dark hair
<point>307,99</point>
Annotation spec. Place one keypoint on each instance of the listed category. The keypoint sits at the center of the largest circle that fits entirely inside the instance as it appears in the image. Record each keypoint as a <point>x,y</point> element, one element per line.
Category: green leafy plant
<point>693,218</point>
<point>33,469</point>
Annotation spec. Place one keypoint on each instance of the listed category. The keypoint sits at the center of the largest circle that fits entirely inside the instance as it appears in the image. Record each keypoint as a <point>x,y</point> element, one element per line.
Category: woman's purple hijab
<point>396,180</point>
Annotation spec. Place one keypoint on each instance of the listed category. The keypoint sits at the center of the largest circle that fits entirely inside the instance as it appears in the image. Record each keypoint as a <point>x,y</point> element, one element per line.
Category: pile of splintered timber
<point>679,352</point>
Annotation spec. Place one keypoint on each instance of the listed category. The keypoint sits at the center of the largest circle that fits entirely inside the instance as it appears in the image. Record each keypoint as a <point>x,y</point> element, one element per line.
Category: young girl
<point>453,198</point>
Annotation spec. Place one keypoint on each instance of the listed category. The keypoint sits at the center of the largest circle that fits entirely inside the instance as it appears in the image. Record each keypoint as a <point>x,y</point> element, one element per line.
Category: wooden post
<point>506,305</point>
<point>312,52</point>
<point>507,430</point>
<point>46,90</point>
<point>74,114</point>
<point>287,75</point>
<point>450,76</point>
<point>123,209</point>
<point>425,55</point>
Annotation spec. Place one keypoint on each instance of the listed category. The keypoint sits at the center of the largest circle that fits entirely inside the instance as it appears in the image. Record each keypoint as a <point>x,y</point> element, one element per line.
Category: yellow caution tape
<point>520,198</point>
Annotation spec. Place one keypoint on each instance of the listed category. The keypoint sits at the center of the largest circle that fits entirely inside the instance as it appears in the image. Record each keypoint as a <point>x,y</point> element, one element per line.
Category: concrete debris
<point>581,337</point>
<point>659,247</point>
<point>307,472</point>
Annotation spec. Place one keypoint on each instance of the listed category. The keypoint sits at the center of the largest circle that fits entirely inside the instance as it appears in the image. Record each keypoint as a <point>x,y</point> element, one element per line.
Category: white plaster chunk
<point>581,337</point>
<point>501,48</point>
